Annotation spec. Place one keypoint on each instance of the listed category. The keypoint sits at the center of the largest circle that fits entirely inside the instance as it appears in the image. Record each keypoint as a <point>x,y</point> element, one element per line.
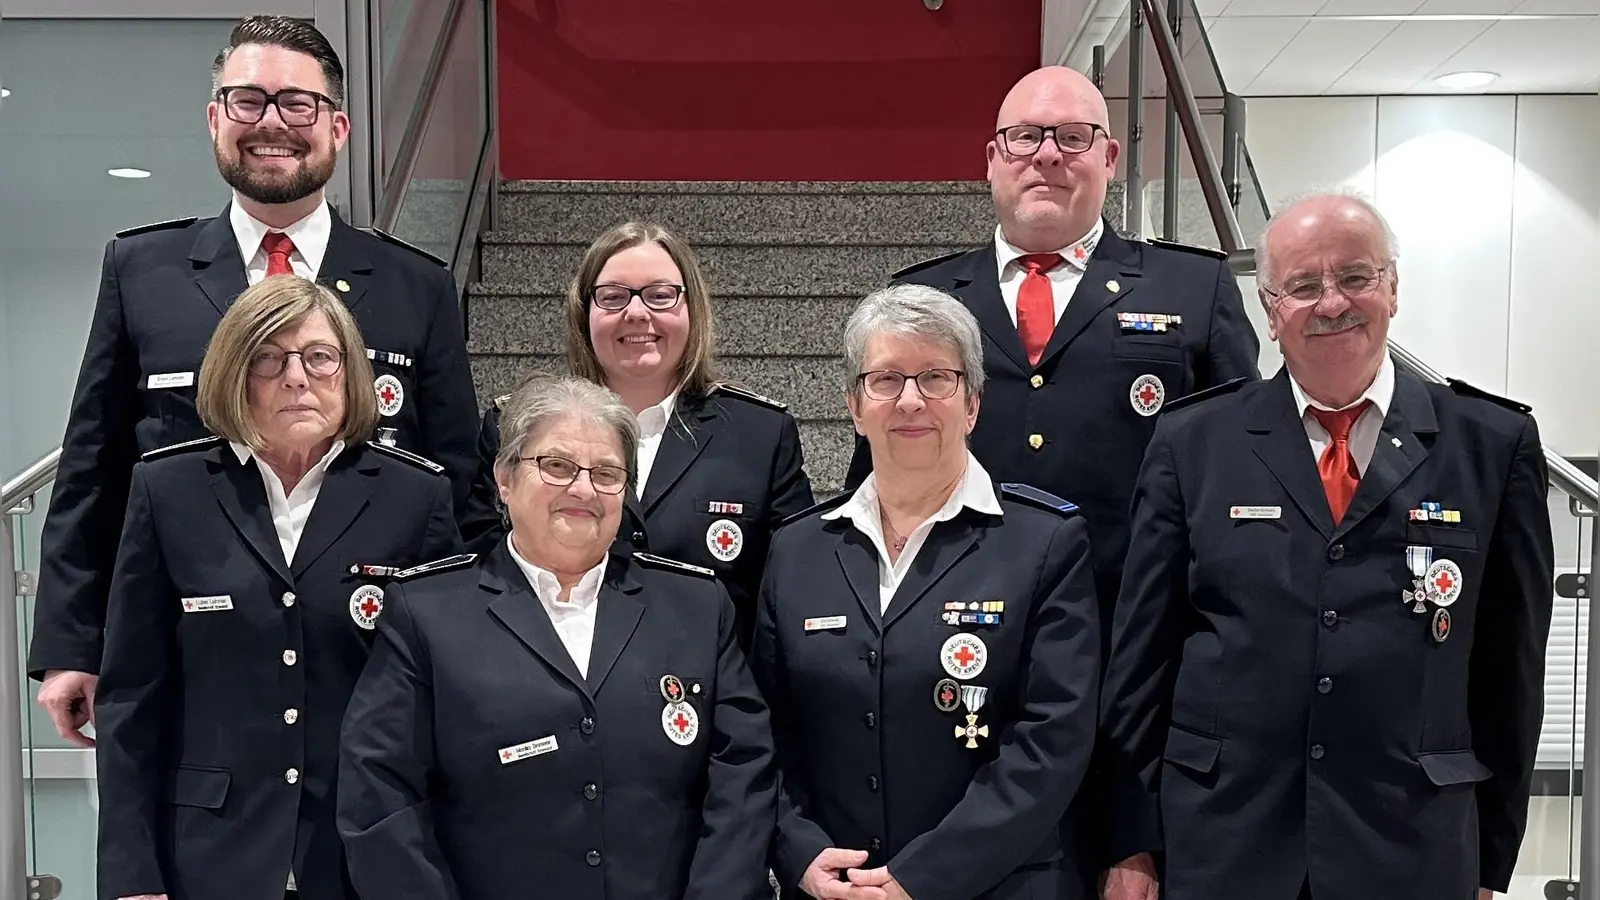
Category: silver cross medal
<point>1418,559</point>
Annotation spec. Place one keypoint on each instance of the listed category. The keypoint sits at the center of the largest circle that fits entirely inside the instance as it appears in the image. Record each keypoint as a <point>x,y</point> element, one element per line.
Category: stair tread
<point>532,186</point>
<point>503,289</point>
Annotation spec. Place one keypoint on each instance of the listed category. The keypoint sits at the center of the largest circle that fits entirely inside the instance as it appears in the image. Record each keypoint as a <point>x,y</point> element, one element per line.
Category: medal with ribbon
<point>1418,559</point>
<point>973,697</point>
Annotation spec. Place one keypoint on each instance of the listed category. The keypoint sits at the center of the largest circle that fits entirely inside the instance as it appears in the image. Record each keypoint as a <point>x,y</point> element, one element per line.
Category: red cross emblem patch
<point>1146,395</point>
<point>681,723</point>
<point>391,394</point>
<point>366,604</point>
<point>725,539</point>
<point>1442,582</point>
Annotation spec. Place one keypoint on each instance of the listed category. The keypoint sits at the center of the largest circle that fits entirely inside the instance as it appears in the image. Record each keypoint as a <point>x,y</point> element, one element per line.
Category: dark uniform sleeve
<point>386,756</point>
<point>79,543</point>
<point>481,526</point>
<point>740,805</point>
<point>1145,642</point>
<point>449,409</point>
<point>1232,347</point>
<point>791,488</point>
<point>1506,681</point>
<point>799,839</point>
<point>1043,756</point>
<point>132,706</point>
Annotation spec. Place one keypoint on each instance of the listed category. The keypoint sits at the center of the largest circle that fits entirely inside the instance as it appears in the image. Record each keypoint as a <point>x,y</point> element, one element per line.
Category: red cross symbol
<point>1444,582</point>
<point>1079,254</point>
<point>1147,395</point>
<point>369,607</point>
<point>673,691</point>
<point>964,656</point>
<point>387,395</point>
<point>947,695</point>
<point>681,723</point>
<point>724,539</point>
<point>505,754</point>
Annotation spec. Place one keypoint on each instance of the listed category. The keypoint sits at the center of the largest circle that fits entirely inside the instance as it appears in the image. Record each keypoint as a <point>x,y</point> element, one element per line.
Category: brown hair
<point>276,303</point>
<point>286,33</point>
<point>697,371</point>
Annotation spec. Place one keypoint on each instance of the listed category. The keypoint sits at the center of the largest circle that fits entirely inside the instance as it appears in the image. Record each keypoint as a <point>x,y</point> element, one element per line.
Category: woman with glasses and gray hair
<point>567,718</point>
<point>719,466</point>
<point>929,644</point>
<point>249,579</point>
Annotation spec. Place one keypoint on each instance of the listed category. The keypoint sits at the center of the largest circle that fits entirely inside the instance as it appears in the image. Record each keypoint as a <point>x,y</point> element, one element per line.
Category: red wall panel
<point>780,90</point>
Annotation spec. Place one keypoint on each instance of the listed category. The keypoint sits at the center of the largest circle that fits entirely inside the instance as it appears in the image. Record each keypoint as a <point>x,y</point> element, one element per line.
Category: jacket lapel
<point>243,498</point>
<point>945,545</point>
<point>977,283</point>
<point>217,263</point>
<point>1115,261</point>
<point>342,497</point>
<point>688,432</point>
<point>859,560</point>
<point>616,619</point>
<point>1400,449</point>
<point>1279,439</point>
<point>346,262</point>
<point>519,610</point>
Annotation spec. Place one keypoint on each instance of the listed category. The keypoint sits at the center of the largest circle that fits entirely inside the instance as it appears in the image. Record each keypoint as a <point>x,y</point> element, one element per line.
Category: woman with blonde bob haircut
<point>719,466</point>
<point>247,587</point>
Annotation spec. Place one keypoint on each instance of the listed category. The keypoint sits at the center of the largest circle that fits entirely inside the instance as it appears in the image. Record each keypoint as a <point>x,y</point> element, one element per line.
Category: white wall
<point>1496,203</point>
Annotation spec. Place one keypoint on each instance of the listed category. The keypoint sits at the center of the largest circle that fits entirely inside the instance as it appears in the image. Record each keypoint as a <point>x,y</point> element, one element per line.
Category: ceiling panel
<point>1407,56</point>
<point>1245,46</point>
<point>1369,7</point>
<point>1467,7</point>
<point>1560,7</point>
<point>1318,56</point>
<point>1273,8</point>
<point>1210,9</point>
<point>1532,55</point>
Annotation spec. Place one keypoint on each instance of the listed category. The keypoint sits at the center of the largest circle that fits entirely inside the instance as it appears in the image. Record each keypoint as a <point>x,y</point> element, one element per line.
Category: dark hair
<point>297,35</point>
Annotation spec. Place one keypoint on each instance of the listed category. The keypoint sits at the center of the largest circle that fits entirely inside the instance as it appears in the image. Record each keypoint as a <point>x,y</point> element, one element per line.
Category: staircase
<point>786,261</point>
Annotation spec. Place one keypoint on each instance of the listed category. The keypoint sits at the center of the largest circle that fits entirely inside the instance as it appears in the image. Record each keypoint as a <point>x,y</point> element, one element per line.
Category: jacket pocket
<point>1442,536</point>
<point>1453,767</point>
<point>199,786</point>
<point>1155,349</point>
<point>1196,752</point>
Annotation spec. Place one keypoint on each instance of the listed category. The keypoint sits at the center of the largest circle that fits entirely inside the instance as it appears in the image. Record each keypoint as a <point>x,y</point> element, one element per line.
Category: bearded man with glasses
<point>1326,675</point>
<point>277,125</point>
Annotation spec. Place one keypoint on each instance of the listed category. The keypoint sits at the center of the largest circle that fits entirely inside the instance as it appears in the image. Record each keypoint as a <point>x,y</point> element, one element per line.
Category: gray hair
<point>1391,245</point>
<point>545,399</point>
<point>914,310</point>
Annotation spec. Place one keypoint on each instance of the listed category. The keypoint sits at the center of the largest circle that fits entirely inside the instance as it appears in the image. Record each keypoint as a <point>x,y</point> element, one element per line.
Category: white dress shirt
<point>310,237</point>
<point>652,426</point>
<point>573,617</point>
<point>974,491</point>
<point>1364,433</point>
<point>291,510</point>
<point>1063,278</point>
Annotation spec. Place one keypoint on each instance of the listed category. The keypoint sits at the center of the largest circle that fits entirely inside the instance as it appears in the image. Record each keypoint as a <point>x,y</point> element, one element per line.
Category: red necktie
<point>278,247</point>
<point>1337,467</point>
<point>1036,306</point>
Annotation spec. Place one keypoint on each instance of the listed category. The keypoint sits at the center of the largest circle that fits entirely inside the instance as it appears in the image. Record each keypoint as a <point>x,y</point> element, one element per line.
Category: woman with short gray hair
<point>951,616</point>
<point>565,713</point>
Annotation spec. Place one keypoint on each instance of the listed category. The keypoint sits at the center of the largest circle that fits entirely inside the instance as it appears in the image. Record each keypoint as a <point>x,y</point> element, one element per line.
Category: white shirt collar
<point>1076,253</point>
<point>653,419</point>
<point>1380,392</point>
<point>548,588</point>
<point>310,235</point>
<point>974,491</point>
<point>245,454</point>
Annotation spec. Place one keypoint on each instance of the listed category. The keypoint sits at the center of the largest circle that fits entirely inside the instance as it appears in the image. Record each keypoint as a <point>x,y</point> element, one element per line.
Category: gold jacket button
<point>1037,381</point>
<point>1035,441</point>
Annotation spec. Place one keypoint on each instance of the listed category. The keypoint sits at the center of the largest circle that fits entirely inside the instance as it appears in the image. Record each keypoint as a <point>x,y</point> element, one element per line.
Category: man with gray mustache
<point>1327,662</point>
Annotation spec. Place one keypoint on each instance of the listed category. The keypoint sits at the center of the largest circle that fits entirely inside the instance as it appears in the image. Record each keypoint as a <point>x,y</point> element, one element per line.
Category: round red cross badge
<point>1147,395</point>
<point>1442,582</point>
<point>365,605</point>
<point>964,656</point>
<point>1441,626</point>
<point>946,695</point>
<point>724,539</point>
<point>391,395</point>
<point>681,723</point>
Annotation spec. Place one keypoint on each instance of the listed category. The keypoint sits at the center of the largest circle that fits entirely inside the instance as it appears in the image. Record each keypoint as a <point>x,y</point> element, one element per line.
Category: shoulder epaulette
<point>421,462</point>
<point>740,391</point>
<point>412,247</point>
<point>1034,497</point>
<point>661,562</point>
<point>927,263</point>
<point>1189,248</point>
<point>438,565</point>
<point>1467,390</point>
<point>184,222</point>
<point>184,447</point>
<point>836,500</point>
<point>1216,390</point>
<point>501,401</point>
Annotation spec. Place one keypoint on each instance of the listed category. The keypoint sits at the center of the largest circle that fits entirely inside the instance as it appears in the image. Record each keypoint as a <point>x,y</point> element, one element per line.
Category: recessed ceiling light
<point>4,93</point>
<point>1461,81</point>
<point>128,173</point>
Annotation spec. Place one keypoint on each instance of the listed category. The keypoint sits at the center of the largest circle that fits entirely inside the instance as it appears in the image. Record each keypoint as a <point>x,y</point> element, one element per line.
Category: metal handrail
<point>29,481</point>
<point>405,158</point>
<point>1565,476</point>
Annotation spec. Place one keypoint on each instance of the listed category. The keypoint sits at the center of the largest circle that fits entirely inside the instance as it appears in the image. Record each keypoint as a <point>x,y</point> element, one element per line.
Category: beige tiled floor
<point>1545,847</point>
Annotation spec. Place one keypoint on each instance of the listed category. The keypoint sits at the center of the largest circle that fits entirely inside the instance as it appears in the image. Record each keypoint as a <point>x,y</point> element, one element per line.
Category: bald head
<point>1055,88</point>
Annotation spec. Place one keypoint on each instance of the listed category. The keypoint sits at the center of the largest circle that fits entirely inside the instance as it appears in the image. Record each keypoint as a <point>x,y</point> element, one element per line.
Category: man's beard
<point>307,178</point>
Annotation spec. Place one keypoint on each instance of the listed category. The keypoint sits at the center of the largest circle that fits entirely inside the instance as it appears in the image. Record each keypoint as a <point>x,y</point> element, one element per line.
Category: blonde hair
<point>697,371</point>
<point>276,303</point>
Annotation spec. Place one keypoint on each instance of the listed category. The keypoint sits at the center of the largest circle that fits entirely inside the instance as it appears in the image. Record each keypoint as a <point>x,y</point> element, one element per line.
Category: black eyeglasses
<point>248,105</point>
<point>887,384</point>
<point>319,360</point>
<point>560,471</point>
<point>1070,137</point>
<point>659,297</point>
